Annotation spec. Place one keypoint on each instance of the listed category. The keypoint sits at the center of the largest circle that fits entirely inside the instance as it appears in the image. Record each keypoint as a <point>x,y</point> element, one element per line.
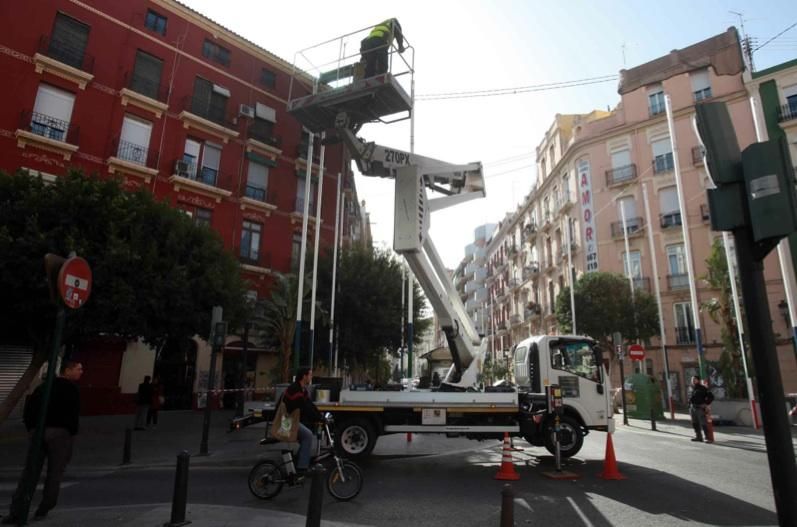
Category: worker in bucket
<point>374,48</point>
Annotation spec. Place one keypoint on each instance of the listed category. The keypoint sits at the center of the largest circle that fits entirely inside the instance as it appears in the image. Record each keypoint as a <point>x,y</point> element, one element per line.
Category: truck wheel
<point>355,438</point>
<point>571,437</point>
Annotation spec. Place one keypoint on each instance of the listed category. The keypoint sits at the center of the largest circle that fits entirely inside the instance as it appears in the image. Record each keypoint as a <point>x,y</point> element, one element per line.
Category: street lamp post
<point>783,308</point>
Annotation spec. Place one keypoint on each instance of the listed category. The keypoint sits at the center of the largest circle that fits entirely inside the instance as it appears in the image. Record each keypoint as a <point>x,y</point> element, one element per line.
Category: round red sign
<point>636,352</point>
<point>74,282</point>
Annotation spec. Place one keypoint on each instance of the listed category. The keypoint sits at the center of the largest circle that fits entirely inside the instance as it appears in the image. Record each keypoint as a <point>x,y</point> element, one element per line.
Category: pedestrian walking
<point>374,48</point>
<point>143,402</point>
<point>699,401</point>
<point>156,401</point>
<point>60,428</point>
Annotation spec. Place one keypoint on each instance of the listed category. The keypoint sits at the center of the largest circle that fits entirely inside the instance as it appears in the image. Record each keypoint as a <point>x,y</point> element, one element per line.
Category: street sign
<point>74,282</point>
<point>636,352</point>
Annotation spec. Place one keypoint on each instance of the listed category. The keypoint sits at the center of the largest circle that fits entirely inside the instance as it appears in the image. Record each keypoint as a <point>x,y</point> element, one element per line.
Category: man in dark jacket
<point>143,402</point>
<point>60,427</point>
<point>297,396</point>
<point>698,402</point>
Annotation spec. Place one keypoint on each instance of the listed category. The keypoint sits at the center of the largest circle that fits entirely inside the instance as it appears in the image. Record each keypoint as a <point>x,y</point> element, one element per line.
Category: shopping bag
<point>285,426</point>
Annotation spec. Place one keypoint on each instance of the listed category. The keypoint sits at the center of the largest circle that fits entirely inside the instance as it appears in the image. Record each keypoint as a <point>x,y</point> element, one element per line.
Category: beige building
<point>613,161</point>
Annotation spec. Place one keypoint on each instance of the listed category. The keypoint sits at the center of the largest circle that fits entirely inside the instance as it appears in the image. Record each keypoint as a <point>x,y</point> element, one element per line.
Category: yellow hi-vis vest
<point>383,30</point>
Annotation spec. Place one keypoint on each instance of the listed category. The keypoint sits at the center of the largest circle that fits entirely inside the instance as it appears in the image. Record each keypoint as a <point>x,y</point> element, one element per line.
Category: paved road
<point>441,482</point>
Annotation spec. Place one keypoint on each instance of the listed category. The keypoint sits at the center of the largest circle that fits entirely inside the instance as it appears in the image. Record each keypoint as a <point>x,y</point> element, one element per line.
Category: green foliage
<point>604,306</point>
<point>368,305</point>
<point>155,274</point>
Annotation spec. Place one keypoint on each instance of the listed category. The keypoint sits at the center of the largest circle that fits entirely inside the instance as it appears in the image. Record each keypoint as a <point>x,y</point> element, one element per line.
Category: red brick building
<point>170,101</point>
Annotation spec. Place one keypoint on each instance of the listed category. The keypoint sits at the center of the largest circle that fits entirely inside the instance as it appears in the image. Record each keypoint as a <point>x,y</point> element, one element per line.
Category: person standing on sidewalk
<point>143,402</point>
<point>60,427</point>
<point>155,403</point>
<point>698,403</point>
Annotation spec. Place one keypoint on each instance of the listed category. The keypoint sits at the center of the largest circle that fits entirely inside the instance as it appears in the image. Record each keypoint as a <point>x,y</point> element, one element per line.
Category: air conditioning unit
<point>181,167</point>
<point>247,111</point>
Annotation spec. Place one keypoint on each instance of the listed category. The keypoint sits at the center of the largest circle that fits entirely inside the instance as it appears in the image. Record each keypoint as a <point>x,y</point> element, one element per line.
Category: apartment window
<point>256,181</point>
<point>627,205</point>
<point>146,78</point>
<point>134,140</point>
<point>668,205</point>
<point>262,128</point>
<point>551,156</point>
<point>566,187</point>
<point>268,78</point>
<point>52,112</point>
<point>216,53</point>
<point>634,260</point>
<point>662,156</point>
<point>155,22</point>
<point>701,85</point>
<point>676,266</point>
<point>202,160</point>
<point>210,101</point>
<point>296,251</point>
<point>250,241</point>
<point>198,215</point>
<point>684,326</point>
<point>68,40</point>
<point>656,100</point>
<point>543,168</point>
<point>790,96</point>
<point>300,190</point>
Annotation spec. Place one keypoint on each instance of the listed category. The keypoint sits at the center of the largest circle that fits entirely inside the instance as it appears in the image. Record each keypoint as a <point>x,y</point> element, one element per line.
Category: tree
<point>604,306</point>
<point>368,306</point>
<point>720,309</point>
<point>155,274</point>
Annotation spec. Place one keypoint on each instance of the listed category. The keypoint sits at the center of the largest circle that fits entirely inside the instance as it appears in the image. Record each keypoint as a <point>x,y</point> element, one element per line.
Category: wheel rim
<point>265,480</point>
<point>345,490</point>
<point>354,439</point>
<point>568,436</point>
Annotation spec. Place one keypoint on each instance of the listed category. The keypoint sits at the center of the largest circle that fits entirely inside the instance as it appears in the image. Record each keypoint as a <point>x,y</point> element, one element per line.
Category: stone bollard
<point>507,506</point>
<point>180,491</point>
<point>316,473</point>
<point>128,446</point>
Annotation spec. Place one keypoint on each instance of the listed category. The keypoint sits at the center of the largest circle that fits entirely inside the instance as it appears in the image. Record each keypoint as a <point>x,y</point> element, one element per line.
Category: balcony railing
<point>300,205</point>
<point>264,134</point>
<point>656,108</point>
<point>678,281</point>
<point>663,163</point>
<point>188,169</point>
<point>49,127</point>
<point>563,201</point>
<point>301,152</point>
<point>214,112</point>
<point>670,219</point>
<point>684,335</point>
<point>632,226</point>
<point>67,53</point>
<point>255,192</point>
<point>254,258</point>
<point>703,94</point>
<point>697,155</point>
<point>146,87</point>
<point>787,112</point>
<point>531,270</point>
<point>642,283</point>
<point>705,212</point>
<point>621,174</point>
<point>134,153</point>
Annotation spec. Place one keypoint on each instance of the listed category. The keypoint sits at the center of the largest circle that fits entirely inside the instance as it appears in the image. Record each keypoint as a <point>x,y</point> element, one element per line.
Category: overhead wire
<point>516,90</point>
<point>776,36</point>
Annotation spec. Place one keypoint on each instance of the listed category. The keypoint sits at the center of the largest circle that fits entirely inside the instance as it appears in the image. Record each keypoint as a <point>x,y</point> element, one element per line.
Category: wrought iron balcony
<point>656,108</point>
<point>69,53</point>
<point>49,127</point>
<point>146,87</point>
<point>787,112</point>
<point>701,95</point>
<point>670,219</point>
<point>134,153</point>
<point>621,174</point>
<point>264,134</point>
<point>189,170</point>
<point>684,335</point>
<point>663,163</point>
<point>259,194</point>
<point>642,283</point>
<point>633,226</point>
<point>678,281</point>
<point>206,109</point>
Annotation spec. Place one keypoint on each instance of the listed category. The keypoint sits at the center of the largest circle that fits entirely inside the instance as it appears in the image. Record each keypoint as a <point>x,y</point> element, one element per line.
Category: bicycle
<point>344,477</point>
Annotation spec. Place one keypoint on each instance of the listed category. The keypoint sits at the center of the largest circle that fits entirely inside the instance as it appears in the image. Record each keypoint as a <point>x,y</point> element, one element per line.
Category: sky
<point>469,45</point>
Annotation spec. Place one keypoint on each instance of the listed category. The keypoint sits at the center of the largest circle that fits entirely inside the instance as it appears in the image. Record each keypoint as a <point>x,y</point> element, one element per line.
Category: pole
<point>342,223</point>
<point>403,285</point>
<point>315,247</point>
<point>316,501</point>
<point>410,369</point>
<point>180,496</point>
<point>630,275</point>
<point>507,506</point>
<point>784,252</point>
<point>239,411</point>
<point>657,286</point>
<point>215,317</point>
<point>570,274</point>
<point>780,452</point>
<point>34,460</point>
<point>617,340</point>
<point>687,240</point>
<point>334,278</point>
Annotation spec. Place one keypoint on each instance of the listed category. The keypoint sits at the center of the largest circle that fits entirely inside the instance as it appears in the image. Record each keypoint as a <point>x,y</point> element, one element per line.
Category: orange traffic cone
<point>507,470</point>
<point>610,470</point>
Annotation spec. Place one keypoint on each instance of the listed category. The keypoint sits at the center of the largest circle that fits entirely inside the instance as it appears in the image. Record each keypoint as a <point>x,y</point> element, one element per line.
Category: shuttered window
<point>209,101</point>
<point>68,40</point>
<point>147,75</point>
<point>668,200</point>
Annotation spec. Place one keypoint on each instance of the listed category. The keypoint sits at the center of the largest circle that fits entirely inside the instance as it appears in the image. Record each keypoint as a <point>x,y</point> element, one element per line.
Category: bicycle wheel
<point>265,480</point>
<point>344,483</point>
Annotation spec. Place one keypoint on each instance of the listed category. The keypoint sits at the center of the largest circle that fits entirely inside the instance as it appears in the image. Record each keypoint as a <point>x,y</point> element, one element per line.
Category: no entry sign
<point>74,282</point>
<point>636,352</point>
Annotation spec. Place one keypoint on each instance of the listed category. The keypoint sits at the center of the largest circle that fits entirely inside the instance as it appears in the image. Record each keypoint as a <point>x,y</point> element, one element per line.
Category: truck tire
<point>355,438</point>
<point>572,438</point>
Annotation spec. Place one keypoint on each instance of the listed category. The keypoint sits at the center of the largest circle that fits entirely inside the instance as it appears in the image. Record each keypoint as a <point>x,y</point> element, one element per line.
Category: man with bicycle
<point>297,397</point>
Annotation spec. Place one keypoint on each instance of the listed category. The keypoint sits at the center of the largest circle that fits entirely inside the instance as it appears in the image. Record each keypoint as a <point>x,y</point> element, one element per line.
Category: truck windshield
<point>577,358</point>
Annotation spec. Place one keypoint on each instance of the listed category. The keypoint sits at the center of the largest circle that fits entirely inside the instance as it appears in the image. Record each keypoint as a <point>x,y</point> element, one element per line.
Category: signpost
<point>74,282</point>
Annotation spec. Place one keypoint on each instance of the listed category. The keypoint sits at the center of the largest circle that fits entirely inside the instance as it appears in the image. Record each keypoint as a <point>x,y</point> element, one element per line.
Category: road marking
<point>580,513</point>
<point>524,503</point>
<point>40,486</point>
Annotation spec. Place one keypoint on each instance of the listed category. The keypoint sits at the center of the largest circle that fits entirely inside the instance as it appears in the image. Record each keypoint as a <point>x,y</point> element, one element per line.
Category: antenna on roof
<point>747,47</point>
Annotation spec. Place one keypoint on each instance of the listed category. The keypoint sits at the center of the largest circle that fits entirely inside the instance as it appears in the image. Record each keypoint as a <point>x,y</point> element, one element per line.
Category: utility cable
<point>773,38</point>
<point>516,90</point>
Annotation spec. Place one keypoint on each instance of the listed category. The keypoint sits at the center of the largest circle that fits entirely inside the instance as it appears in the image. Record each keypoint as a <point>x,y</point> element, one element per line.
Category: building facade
<point>167,100</point>
<point>615,162</point>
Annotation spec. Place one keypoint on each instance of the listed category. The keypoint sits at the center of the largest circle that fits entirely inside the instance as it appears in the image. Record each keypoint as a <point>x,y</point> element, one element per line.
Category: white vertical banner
<point>588,217</point>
